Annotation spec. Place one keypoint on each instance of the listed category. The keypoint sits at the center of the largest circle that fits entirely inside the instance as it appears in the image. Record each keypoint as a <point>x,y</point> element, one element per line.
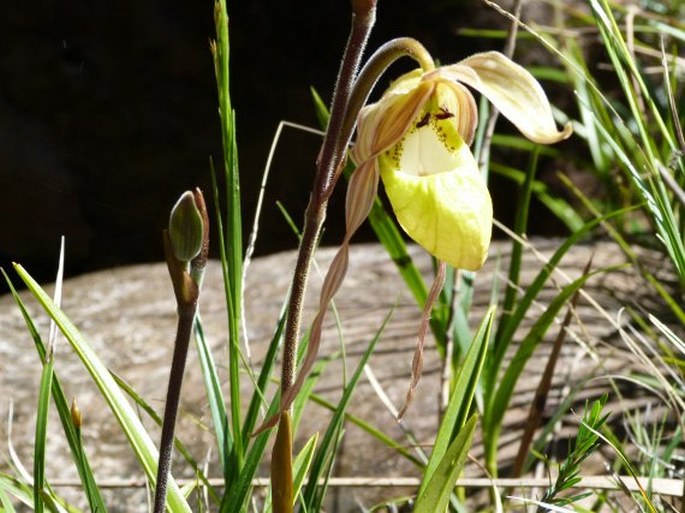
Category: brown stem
<point>330,159</point>
<point>187,291</point>
<point>314,218</point>
<point>184,329</point>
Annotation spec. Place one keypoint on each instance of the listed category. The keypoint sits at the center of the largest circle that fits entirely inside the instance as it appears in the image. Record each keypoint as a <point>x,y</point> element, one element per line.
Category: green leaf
<point>132,428</point>
<point>436,494</point>
<point>178,445</point>
<point>303,462</point>
<point>313,498</point>
<point>373,431</point>
<point>230,232</point>
<point>41,436</point>
<point>5,502</point>
<point>509,324</point>
<point>12,486</point>
<point>215,397</point>
<point>557,206</point>
<point>79,456</point>
<point>505,390</point>
<point>238,490</point>
<point>461,397</point>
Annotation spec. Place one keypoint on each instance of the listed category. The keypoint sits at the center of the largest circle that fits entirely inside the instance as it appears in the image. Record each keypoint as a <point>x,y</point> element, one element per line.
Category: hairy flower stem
<point>330,159</point>
<point>349,97</point>
<point>184,329</point>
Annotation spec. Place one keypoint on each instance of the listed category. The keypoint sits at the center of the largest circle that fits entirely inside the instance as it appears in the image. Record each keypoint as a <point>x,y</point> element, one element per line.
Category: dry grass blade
<point>540,398</point>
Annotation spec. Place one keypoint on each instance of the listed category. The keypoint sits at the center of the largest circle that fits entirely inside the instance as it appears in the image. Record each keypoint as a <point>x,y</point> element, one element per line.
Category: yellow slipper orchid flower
<point>417,137</point>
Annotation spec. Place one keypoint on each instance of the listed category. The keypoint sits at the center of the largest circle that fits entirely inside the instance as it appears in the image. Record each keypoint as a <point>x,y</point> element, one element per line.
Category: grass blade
<point>5,502</point>
<point>505,390</point>
<point>312,495</point>
<point>136,434</point>
<point>178,445</point>
<point>231,243</point>
<point>437,491</point>
<point>371,430</point>
<point>268,366</point>
<point>12,486</point>
<point>461,397</point>
<point>41,436</point>
<point>96,502</point>
<point>508,326</point>
<point>557,206</point>
<point>238,490</point>
<point>215,398</point>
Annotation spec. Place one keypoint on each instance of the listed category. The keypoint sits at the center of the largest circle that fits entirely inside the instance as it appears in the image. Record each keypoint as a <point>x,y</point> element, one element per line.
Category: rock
<point>127,315</point>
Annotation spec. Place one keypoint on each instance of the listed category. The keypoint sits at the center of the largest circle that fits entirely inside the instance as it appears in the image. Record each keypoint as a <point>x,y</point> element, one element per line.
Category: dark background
<point>108,112</point>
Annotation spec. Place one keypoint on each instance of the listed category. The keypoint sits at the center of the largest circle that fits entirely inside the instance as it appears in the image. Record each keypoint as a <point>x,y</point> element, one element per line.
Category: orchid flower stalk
<point>416,140</point>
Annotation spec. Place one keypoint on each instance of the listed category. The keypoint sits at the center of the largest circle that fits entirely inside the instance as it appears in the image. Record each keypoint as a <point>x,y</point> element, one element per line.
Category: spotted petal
<point>439,198</point>
<point>383,123</point>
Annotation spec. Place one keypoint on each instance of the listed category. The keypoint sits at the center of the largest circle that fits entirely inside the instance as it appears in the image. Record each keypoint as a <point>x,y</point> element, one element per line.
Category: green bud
<point>185,228</point>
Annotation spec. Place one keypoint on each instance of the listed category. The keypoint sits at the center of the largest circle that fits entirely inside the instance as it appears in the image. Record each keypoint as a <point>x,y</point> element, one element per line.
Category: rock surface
<point>127,314</point>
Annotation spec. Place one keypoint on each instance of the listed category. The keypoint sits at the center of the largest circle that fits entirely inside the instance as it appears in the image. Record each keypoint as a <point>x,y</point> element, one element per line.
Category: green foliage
<point>586,442</point>
<point>72,435</point>
<point>438,485</point>
<point>322,464</point>
<point>459,406</point>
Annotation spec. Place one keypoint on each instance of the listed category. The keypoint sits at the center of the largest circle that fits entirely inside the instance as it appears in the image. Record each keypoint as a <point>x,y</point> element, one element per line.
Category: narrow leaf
<point>131,426</point>
<point>461,398</point>
<point>41,436</point>
<point>437,492</point>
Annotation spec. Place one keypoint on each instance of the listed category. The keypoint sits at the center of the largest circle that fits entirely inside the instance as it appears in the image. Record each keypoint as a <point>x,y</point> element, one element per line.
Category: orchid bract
<point>418,136</point>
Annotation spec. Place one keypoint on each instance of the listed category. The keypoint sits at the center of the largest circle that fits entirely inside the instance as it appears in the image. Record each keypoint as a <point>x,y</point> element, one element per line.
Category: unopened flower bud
<point>185,228</point>
<point>76,418</point>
